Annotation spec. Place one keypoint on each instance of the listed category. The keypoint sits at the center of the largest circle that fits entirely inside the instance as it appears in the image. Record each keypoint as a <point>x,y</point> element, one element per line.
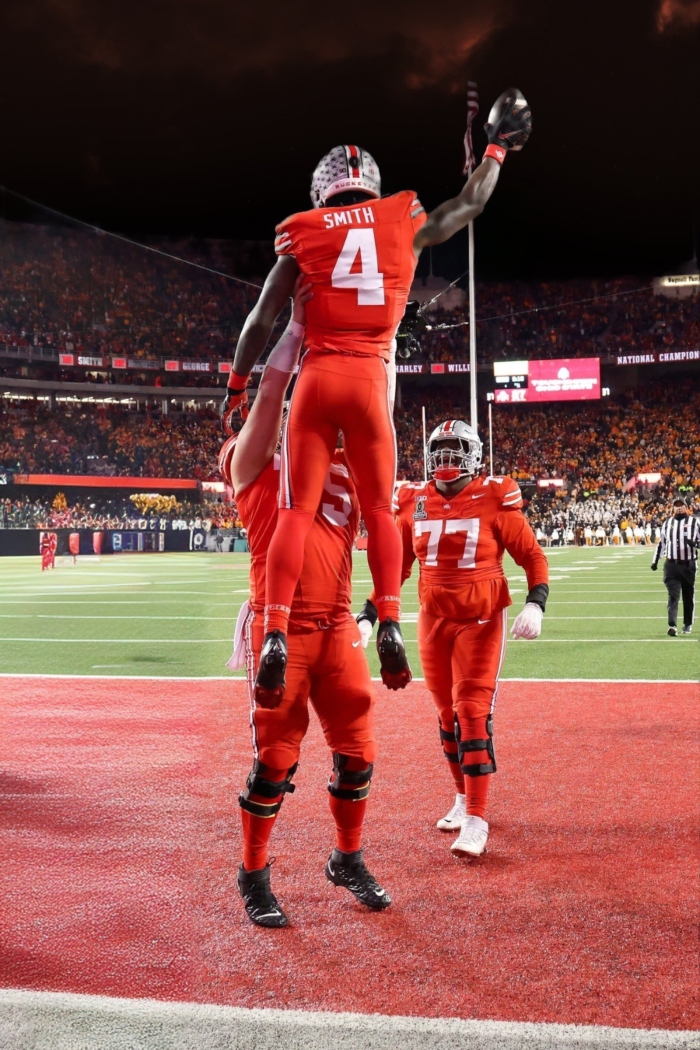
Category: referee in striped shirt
<point>680,539</point>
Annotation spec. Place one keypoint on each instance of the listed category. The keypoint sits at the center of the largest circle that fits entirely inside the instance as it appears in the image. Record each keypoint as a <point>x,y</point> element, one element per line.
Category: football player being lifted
<point>327,666</point>
<point>359,251</point>
<point>457,526</point>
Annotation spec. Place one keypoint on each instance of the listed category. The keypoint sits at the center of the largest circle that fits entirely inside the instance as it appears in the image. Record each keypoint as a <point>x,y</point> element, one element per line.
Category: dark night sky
<point>208,116</point>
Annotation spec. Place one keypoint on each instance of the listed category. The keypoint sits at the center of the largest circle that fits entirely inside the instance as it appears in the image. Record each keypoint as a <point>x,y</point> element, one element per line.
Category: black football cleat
<point>396,674</point>
<point>262,906</point>
<point>349,870</point>
<point>270,680</point>
<point>672,631</point>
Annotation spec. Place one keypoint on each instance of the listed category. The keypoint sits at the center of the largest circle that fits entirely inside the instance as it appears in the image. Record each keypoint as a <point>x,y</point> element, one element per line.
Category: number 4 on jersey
<point>368,280</point>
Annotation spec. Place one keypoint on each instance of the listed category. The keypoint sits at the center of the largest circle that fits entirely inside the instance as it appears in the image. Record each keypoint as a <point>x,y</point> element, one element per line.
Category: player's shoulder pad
<point>406,492</point>
<point>285,233</point>
<point>406,202</point>
<point>505,490</point>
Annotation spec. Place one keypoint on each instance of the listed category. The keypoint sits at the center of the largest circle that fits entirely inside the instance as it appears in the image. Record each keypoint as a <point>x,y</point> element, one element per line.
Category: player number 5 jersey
<point>360,261</point>
<point>459,544</point>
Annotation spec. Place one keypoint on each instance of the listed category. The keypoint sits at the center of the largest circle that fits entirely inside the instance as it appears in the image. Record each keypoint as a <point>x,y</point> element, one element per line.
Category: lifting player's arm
<point>511,130</point>
<point>256,333</point>
<point>260,434</point>
<point>520,542</point>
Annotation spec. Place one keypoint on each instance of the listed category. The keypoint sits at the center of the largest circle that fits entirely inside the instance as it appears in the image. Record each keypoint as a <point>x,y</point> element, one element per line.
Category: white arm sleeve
<point>284,357</point>
<point>391,369</point>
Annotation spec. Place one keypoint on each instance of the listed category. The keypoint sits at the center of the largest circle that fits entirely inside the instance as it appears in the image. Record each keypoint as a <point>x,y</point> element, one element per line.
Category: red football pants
<point>328,668</point>
<point>348,393</point>
<point>331,672</point>
<point>462,662</point>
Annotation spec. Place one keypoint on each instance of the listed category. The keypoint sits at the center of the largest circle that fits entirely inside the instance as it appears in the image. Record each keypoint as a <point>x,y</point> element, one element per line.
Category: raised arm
<point>510,131</point>
<point>455,214</point>
<point>258,439</point>
<point>256,333</point>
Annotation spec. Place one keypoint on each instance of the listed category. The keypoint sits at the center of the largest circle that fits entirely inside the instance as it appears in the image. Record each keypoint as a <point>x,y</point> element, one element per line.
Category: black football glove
<point>512,128</point>
<point>654,566</point>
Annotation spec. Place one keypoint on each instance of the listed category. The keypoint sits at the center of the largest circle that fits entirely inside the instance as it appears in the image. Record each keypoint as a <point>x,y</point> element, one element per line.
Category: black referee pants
<point>679,577</point>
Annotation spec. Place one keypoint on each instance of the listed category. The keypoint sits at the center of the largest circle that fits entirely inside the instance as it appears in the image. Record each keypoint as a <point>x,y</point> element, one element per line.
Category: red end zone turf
<point>120,841</point>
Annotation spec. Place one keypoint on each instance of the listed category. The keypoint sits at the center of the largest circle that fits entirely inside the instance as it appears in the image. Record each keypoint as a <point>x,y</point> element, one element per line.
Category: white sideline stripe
<point>138,616</point>
<point>241,678</point>
<point>408,641</point>
<point>64,1021</point>
<point>544,641</point>
<point>125,641</point>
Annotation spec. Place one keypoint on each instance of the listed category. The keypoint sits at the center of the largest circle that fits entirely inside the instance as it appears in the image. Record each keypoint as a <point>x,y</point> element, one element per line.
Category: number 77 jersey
<point>360,261</point>
<point>459,543</point>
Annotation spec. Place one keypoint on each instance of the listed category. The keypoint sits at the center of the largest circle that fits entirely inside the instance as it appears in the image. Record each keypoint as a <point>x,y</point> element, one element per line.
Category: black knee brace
<point>257,784</point>
<point>341,778</point>
<point>478,769</point>
<point>451,756</point>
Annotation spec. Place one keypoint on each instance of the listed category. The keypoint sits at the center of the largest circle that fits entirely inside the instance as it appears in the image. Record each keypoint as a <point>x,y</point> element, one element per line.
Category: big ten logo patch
<point>420,512</point>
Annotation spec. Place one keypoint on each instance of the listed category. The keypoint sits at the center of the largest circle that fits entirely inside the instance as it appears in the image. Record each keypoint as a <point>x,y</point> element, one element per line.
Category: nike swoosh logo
<point>355,644</point>
<point>379,893</point>
<point>479,496</point>
<point>483,621</point>
<point>330,869</point>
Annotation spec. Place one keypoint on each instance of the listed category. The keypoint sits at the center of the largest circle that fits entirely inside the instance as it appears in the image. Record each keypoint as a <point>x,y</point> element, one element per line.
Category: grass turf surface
<point>173,615</point>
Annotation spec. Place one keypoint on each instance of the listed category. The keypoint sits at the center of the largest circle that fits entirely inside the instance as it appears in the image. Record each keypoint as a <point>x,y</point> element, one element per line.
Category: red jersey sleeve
<point>519,540</point>
<point>404,523</point>
<point>416,212</point>
<point>287,237</point>
<point>511,496</point>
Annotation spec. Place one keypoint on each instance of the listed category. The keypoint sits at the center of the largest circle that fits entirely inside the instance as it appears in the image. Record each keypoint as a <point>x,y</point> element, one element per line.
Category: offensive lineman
<point>458,525</point>
<point>359,251</point>
<point>326,662</point>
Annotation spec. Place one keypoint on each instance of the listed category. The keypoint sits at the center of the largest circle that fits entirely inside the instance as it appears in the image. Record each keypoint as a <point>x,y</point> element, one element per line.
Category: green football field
<point>173,615</point>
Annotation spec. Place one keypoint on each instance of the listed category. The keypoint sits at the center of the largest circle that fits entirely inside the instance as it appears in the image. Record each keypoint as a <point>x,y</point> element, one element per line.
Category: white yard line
<point>240,677</point>
<point>32,1020</point>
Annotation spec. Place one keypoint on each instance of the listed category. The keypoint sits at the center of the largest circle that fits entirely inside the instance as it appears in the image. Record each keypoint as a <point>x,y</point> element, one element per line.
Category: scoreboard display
<point>556,379</point>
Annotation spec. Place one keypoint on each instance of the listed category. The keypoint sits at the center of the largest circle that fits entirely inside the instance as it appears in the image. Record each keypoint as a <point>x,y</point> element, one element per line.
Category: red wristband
<point>497,152</point>
<point>237,383</point>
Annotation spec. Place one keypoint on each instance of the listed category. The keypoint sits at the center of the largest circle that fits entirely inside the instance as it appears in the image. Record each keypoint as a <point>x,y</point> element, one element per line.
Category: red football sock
<point>348,815</point>
<point>384,557</point>
<point>476,789</point>
<point>257,830</point>
<point>349,818</point>
<point>450,748</point>
<point>285,558</point>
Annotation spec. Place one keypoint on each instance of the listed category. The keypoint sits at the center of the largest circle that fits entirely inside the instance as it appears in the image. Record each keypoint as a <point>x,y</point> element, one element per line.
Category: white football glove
<point>528,623</point>
<point>365,632</point>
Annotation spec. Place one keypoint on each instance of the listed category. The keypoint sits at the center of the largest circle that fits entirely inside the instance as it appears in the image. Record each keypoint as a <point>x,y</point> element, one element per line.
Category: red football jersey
<point>360,261</point>
<point>324,591</point>
<point>459,543</point>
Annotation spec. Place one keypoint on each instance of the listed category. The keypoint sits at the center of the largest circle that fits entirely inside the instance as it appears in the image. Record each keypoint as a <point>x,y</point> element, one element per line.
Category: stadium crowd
<point>76,291</point>
<point>594,446</point>
<point>108,440</point>
<point>27,513</point>
<point>597,450</point>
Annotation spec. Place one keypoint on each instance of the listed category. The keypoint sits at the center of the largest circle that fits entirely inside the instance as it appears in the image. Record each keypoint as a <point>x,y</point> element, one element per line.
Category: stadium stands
<point>74,291</point>
<point>596,447</point>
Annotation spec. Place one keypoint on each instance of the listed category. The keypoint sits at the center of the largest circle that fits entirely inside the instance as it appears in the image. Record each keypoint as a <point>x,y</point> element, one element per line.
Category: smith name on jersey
<point>459,543</point>
<point>360,262</point>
